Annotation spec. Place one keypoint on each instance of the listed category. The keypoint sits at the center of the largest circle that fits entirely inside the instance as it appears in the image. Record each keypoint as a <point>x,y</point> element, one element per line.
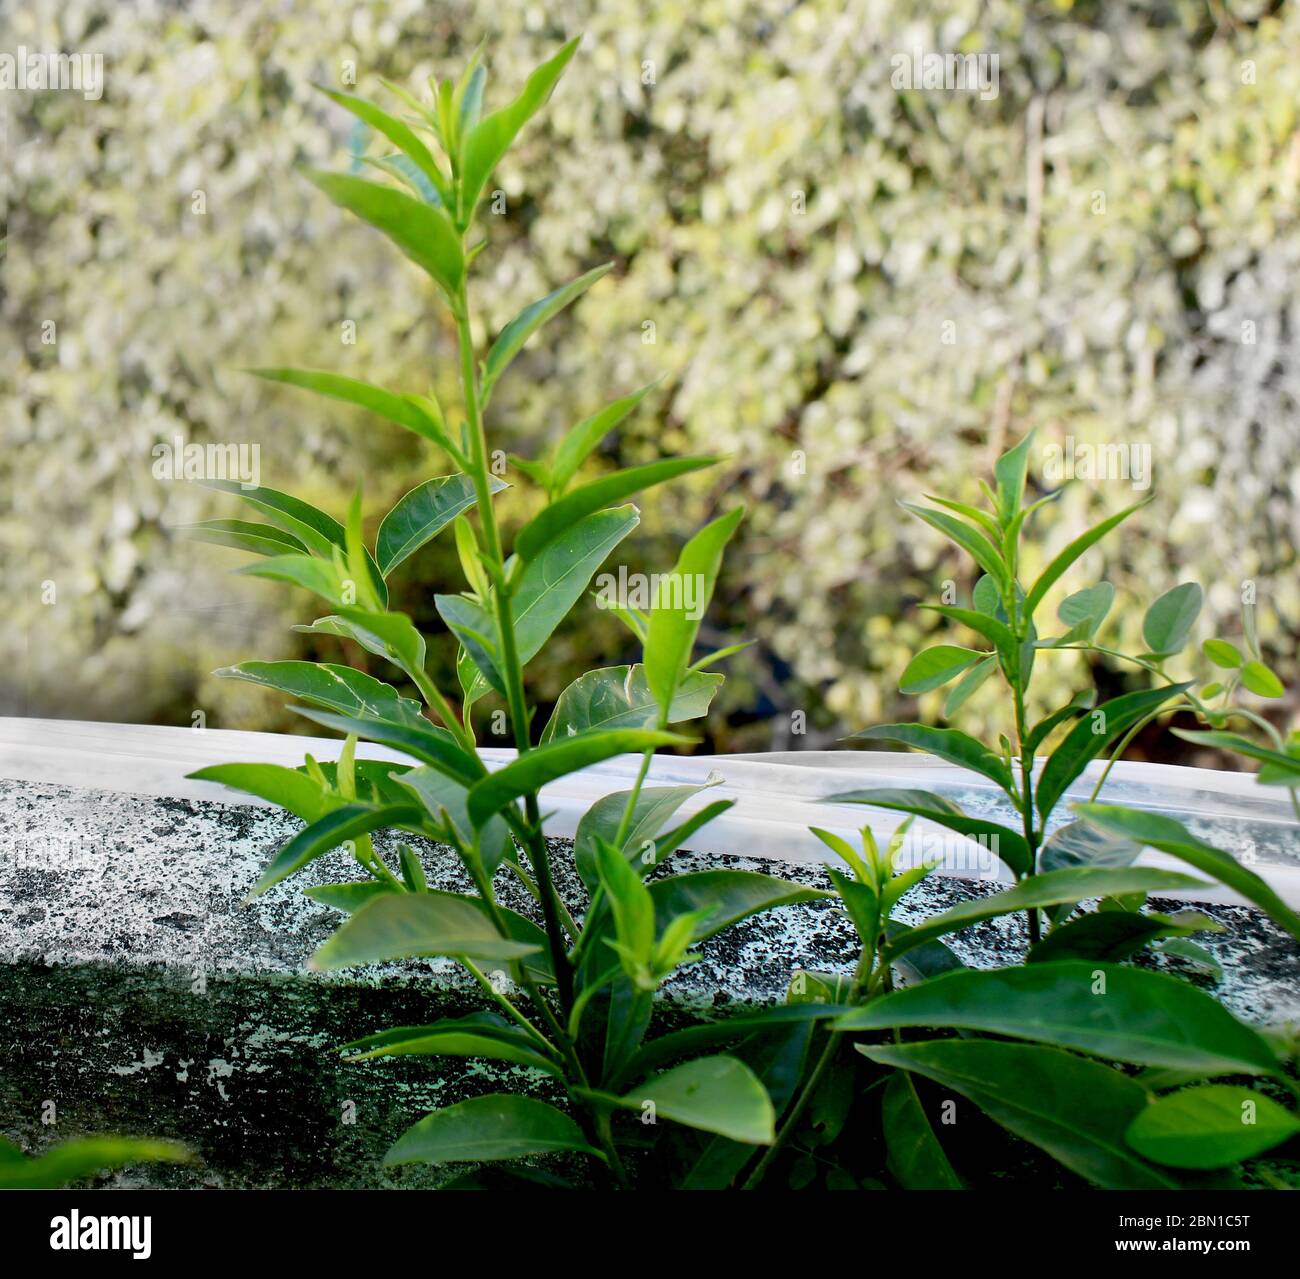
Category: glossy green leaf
<point>553,519</point>
<point>349,898</point>
<point>399,134</point>
<point>1001,840</point>
<point>528,321</point>
<point>423,233</point>
<point>1210,1127</point>
<point>529,773</point>
<point>399,409</point>
<point>968,685</point>
<point>714,1094</point>
<point>1108,1010</point>
<point>453,1040</point>
<point>1084,611</point>
<point>1083,844</point>
<point>1036,1093</point>
<point>476,630</point>
<point>336,827</point>
<point>316,530</point>
<point>1010,470</point>
<point>675,618</point>
<point>619,697</point>
<point>422,740</point>
<point>485,144</point>
<point>1041,731</point>
<point>441,794</point>
<point>1282,762</point>
<point>971,540</point>
<point>1056,569</point>
<point>916,1160</point>
<point>933,667</point>
<point>494,1126</point>
<point>422,514</point>
<point>1049,889</point>
<point>1104,935</point>
<point>336,688</point>
<point>1258,679</point>
<point>947,743</point>
<point>654,808</point>
<point>580,440</point>
<point>1169,621</point>
<point>244,535</point>
<point>288,787</point>
<point>1171,836</point>
<point>551,584</point>
<point>406,925</point>
<point>1221,653</point>
<point>728,895</point>
<point>1091,735</point>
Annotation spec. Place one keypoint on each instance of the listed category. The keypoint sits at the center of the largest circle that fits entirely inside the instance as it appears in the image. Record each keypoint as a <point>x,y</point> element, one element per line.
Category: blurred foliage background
<point>857,293</point>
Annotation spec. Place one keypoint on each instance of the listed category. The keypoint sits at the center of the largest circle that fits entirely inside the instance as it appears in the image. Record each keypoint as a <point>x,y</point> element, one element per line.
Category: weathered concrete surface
<point>138,996</point>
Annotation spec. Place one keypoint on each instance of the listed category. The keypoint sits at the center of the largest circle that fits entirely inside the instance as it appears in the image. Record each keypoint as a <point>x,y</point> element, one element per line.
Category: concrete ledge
<point>139,997</point>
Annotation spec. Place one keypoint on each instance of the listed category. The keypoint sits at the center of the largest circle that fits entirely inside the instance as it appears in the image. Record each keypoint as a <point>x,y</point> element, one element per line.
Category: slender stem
<point>506,1006</point>
<point>796,1112</point>
<point>512,672</point>
<point>633,795</point>
<point>605,1136</point>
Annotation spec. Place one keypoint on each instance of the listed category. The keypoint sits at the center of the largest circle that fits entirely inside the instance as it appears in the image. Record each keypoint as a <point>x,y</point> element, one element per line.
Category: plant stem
<point>633,796</point>
<point>506,1006</point>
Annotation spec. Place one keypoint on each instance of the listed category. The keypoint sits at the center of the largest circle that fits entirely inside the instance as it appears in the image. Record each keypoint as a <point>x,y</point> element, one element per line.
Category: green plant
<point>579,1001</point>
<point>1074,1004</point>
<point>72,1161</point>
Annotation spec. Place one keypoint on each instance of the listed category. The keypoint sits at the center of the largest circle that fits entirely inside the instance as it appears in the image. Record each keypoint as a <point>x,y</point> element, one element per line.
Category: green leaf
<point>1105,935</point>
<point>328,832</point>
<point>399,134</point>
<point>423,233</point>
<point>968,685</point>
<point>422,514</point>
<point>655,806</point>
<point>289,787</point>
<point>674,623</point>
<point>421,740</point>
<point>1083,844</point>
<point>485,144</point>
<point>1223,654</point>
<point>1210,1127</point>
<point>1002,841</point>
<point>933,667</point>
<point>971,540</point>
<point>452,1038</point>
<point>1243,746</point>
<point>528,773</point>
<point>728,895</point>
<point>580,440</point>
<point>316,530</point>
<point>349,898</point>
<point>73,1161</point>
<point>1083,742</point>
<point>494,1126</point>
<point>1048,578</point>
<point>564,513</point>
<point>528,321</point>
<point>947,743</point>
<point>1048,889</point>
<point>391,636</point>
<point>1010,471</point>
<point>322,577</point>
<point>406,925</point>
<point>1170,619</point>
<point>1035,1092</point>
<point>1171,836</point>
<point>1107,1010</point>
<point>619,697</point>
<point>1084,611</point>
<point>441,794</point>
<point>336,688</point>
<point>916,1159</point>
<point>714,1094</point>
<point>552,583</point>
<point>400,409</point>
<point>243,535</point>
<point>476,629</point>
<point>1043,729</point>
<point>1258,679</point>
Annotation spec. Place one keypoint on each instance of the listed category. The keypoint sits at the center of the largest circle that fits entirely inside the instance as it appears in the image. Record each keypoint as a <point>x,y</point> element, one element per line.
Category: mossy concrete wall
<point>138,996</point>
